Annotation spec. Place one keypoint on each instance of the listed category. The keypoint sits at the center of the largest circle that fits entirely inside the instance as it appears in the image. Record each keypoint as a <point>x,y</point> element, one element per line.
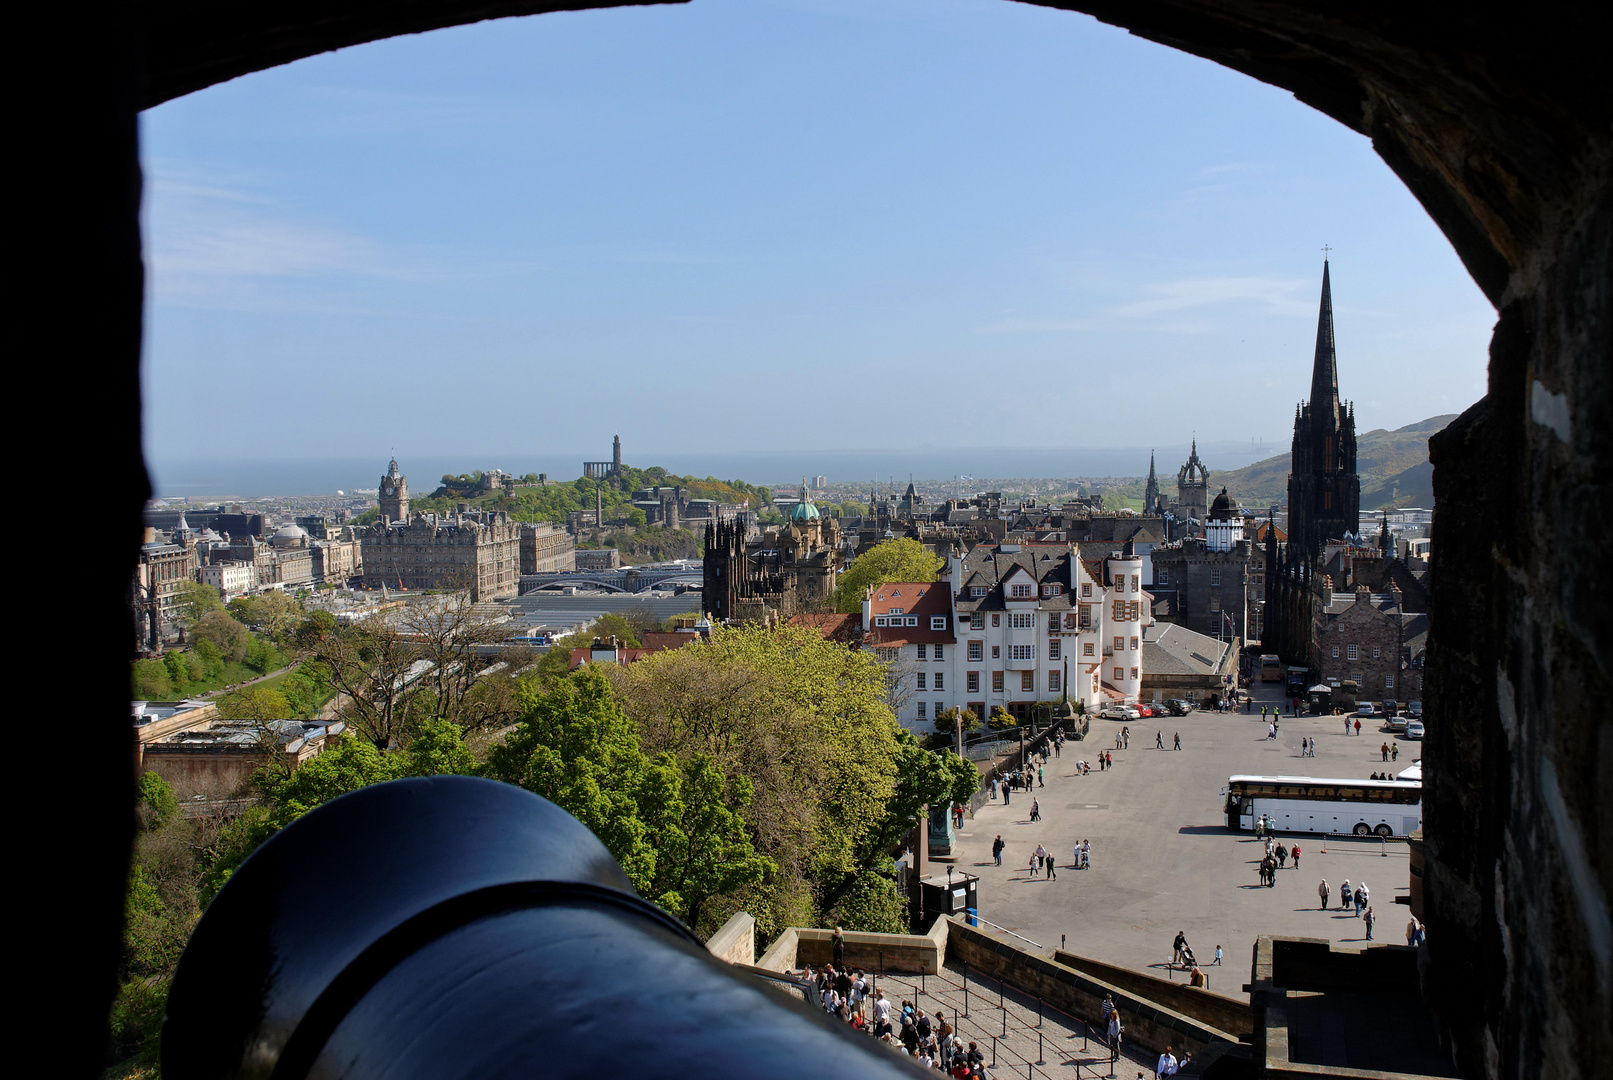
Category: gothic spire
<point>1325,373</point>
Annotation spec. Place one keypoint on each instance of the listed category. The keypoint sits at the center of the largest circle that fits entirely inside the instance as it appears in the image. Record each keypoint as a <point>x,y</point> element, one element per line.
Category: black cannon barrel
<point>455,927</point>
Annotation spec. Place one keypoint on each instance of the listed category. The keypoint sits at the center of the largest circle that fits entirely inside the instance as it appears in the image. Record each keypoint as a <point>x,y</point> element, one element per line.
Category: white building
<point>909,624</point>
<point>1029,617</point>
<point>231,579</point>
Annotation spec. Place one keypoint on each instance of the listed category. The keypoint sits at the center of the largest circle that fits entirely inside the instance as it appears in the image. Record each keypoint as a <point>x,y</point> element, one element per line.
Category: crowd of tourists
<point>931,1041</point>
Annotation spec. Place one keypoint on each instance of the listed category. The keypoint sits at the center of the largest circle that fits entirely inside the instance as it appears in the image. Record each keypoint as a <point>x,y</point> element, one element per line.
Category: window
<point>1134,587</point>
<point>938,649</point>
<point>996,651</point>
<point>1388,682</point>
<point>1356,677</point>
<point>972,680</point>
<point>1053,650</point>
<point>1120,611</point>
<point>940,707</point>
<point>1133,644</point>
<point>977,621</point>
<point>938,622</point>
<point>1052,589</point>
<point>1086,588</point>
<point>1163,576</point>
<point>1021,591</point>
<point>997,682</point>
<point>1215,575</point>
<point>898,611</point>
<point>1120,674</point>
<point>921,711</point>
<point>996,619</point>
<point>1374,652</point>
<point>1022,652</point>
<point>1086,616</point>
<point>921,653</point>
<point>1022,620</point>
<point>974,651</point>
<point>880,620</point>
<point>888,656</point>
<point>1027,681</point>
<point>940,680</point>
<point>1215,603</point>
<point>1350,653</point>
<point>1133,673</point>
<point>1086,648</point>
<point>1120,643</point>
<point>1053,684</point>
<point>920,685</point>
<point>978,591</point>
<point>1069,620</point>
<point>1335,652</point>
<point>912,620</point>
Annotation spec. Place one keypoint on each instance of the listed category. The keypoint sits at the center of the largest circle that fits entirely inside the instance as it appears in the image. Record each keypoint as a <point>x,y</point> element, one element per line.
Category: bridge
<point>628,579</point>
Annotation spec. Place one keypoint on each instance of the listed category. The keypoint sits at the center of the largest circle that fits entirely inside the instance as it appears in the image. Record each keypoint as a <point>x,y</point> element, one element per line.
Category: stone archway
<point>1501,124</point>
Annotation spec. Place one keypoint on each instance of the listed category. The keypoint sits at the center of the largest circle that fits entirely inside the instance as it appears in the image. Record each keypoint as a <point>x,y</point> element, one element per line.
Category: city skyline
<point>722,227</point>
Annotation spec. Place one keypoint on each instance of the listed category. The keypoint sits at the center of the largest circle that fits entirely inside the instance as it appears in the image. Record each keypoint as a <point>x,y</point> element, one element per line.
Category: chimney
<point>1327,590</point>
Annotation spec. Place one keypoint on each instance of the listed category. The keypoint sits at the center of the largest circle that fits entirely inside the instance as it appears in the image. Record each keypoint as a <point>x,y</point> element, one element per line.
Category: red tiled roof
<point>835,626</point>
<point>920,599</point>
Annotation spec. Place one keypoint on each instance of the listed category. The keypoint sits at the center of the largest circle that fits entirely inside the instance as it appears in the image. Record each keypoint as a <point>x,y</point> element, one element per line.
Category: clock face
<point>386,489</point>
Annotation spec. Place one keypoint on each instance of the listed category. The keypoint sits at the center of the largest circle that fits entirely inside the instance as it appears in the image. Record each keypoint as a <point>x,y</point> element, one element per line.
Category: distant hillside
<point>1393,465</point>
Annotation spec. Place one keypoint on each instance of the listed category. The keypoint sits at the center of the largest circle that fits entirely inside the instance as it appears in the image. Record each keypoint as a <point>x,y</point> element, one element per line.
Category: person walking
<point>997,846</point>
<point>1344,893</point>
<point>1411,931</point>
<point>1115,1033</point>
<point>1052,866</point>
<point>1385,749</point>
<point>1394,752</point>
<point>1036,810</point>
<point>1178,740</point>
<point>1357,727</point>
<point>993,787</point>
<point>1362,898</point>
<point>1346,725</point>
<point>1159,740</point>
<point>1040,782</point>
<point>1282,856</point>
<point>1323,891</point>
<point>1369,920</point>
<point>1125,737</point>
<point>1038,860</point>
<point>1006,799</point>
<point>1294,854</point>
<point>1271,731</point>
<point>1117,739</point>
<point>1167,1065</point>
<point>1217,961</point>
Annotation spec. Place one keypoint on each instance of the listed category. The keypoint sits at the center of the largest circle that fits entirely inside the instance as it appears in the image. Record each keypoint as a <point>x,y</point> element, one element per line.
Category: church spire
<point>1325,372</point>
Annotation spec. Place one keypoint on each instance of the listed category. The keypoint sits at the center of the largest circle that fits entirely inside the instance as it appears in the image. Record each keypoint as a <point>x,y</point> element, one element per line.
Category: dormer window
<point>977,591</point>
<point>1052,588</point>
<point>1021,592</point>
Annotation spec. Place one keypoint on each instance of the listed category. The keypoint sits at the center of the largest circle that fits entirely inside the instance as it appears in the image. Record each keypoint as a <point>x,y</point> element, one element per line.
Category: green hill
<point>1393,465</point>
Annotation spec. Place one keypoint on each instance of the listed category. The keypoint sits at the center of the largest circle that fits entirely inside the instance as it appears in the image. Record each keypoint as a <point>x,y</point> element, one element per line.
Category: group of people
<point>1123,738</point>
<point>1390,753</point>
<point>1307,747</point>
<point>1358,897</point>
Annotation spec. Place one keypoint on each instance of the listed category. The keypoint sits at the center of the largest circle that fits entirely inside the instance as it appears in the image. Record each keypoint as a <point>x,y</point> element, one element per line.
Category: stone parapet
<point>1217,1011</point>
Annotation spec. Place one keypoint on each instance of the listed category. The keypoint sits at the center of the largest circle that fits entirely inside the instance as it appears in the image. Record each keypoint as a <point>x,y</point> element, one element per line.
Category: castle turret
<point>394,494</point>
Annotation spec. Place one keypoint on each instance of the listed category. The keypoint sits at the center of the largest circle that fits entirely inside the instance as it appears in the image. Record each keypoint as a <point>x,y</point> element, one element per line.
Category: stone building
<point>546,548</point>
<point>779,572</point>
<point>394,494</point>
<point>160,573</point>
<point>1324,492</point>
<point>478,551</point>
<point>1027,615</point>
<point>1371,639</point>
<point>1209,574</point>
<point>1193,487</point>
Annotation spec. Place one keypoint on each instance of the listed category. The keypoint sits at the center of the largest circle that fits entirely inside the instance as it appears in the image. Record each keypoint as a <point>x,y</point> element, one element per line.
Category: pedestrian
<point>1369,920</point>
<point>1159,740</point>
<point>1178,740</point>
<point>1039,781</point>
<point>1125,737</point>
<point>1394,752</point>
<point>1346,725</point>
<point>1357,726</point>
<point>1411,931</point>
<point>1282,856</point>
<point>997,846</point>
<point>1117,740</point>
<point>839,943</point>
<point>1036,810</point>
<point>1217,961</point>
<point>1385,749</point>
<point>1052,867</point>
<point>993,787</point>
<point>1114,1039</point>
<point>1362,897</point>
<point>1294,854</point>
<point>1035,862</point>
<point>1271,731</point>
<point>1323,891</point>
<point>1086,855</point>
<point>1344,893</point>
<point>1179,949</point>
<point>1111,761</point>
<point>1006,800</point>
<point>1167,1064</point>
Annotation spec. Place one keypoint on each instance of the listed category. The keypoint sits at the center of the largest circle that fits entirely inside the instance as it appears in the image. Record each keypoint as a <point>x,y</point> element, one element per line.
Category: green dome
<point>804,511</point>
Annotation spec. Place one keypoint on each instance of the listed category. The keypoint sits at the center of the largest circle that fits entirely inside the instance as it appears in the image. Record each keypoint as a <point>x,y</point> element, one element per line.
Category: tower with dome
<point>751,574</point>
<point>394,494</point>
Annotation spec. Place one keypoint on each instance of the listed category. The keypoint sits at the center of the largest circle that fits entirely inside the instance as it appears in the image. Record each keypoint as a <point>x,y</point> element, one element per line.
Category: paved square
<point>1163,859</point>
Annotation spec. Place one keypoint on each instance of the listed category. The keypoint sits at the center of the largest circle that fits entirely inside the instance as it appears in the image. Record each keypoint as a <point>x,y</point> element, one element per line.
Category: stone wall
<point>1223,1013</point>
<point>735,941</point>
<point>912,954</point>
<point>1146,1023</point>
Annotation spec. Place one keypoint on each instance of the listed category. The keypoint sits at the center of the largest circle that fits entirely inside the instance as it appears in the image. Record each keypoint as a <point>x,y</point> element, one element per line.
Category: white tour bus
<point>1316,805</point>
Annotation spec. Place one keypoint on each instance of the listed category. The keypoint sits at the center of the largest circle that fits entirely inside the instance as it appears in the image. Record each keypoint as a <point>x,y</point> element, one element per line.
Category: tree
<point>702,845</point>
<point>897,559</point>
<point>194,600</point>
<point>636,518</point>
<point>223,632</point>
<point>254,703</point>
<point>368,663</point>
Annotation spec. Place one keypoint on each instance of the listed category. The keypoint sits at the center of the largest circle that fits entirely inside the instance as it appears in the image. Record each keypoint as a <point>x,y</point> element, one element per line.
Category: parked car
<point>1146,710</point>
<point>1414,729</point>
<point>1365,709</point>
<point>1178,707</point>
<point>1390,708</point>
<point>1116,712</point>
<point>1414,709</point>
<point>1395,723</point>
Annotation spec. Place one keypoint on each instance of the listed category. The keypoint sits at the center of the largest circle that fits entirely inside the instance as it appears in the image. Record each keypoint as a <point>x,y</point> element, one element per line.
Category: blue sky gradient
<point>773,226</point>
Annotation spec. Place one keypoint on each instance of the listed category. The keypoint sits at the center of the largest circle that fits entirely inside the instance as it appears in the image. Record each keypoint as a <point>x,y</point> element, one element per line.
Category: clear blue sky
<point>763,224</point>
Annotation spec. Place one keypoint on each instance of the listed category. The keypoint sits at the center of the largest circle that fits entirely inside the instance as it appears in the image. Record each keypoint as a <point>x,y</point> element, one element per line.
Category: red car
<point>1146,710</point>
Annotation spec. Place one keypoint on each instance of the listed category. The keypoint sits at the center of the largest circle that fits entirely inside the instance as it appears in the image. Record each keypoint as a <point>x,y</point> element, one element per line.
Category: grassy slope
<point>1384,458</point>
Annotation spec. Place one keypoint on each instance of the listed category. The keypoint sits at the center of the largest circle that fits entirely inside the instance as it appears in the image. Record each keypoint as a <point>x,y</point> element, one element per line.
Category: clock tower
<point>394,494</point>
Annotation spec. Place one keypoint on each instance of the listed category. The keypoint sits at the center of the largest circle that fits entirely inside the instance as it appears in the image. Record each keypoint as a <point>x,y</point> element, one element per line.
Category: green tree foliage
<point>194,600</point>
<point>178,673</point>
<point>897,559</point>
<point>1001,720</point>
<point>636,518</point>
<point>702,846</point>
<point>224,632</point>
<point>151,681</point>
<point>157,804</point>
<point>353,764</point>
<point>438,749</point>
<point>275,613</point>
<point>871,904</point>
<point>254,703</point>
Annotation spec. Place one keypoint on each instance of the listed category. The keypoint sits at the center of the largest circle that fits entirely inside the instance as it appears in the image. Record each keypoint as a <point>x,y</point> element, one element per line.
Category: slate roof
<point>1169,649</point>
